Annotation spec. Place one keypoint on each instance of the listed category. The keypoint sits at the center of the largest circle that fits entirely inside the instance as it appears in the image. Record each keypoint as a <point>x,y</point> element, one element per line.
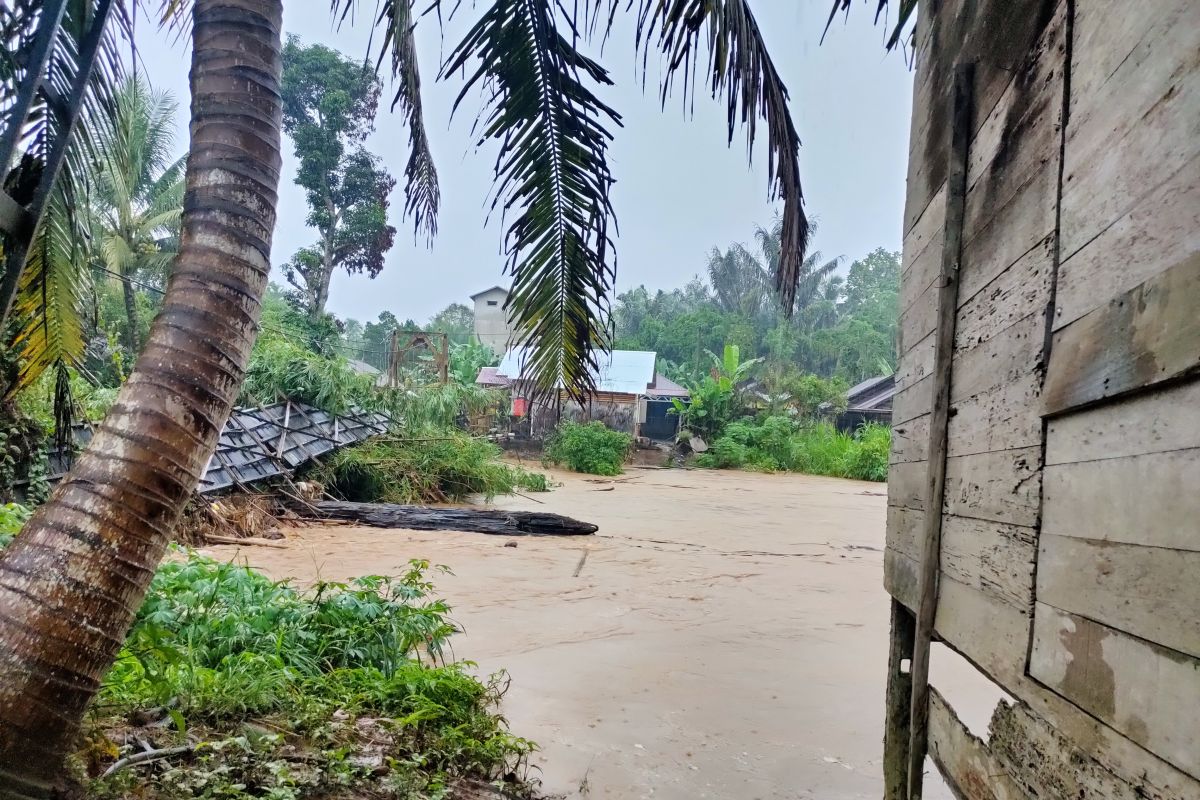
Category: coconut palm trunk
<point>131,315</point>
<point>72,581</point>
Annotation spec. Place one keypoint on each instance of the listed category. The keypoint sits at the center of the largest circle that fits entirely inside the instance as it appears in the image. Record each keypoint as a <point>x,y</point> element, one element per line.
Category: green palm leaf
<point>740,68</point>
<point>422,195</point>
<point>907,8</point>
<point>552,179</point>
<point>51,303</point>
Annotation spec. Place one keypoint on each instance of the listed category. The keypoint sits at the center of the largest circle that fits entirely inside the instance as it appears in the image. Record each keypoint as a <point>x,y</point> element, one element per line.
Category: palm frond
<point>51,305</point>
<point>552,173</point>
<point>75,100</point>
<point>740,68</point>
<point>907,7</point>
<point>422,195</point>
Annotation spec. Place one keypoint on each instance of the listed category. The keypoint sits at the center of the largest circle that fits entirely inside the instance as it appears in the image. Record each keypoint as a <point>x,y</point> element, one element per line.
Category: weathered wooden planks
<point>994,557</point>
<point>1152,422</point>
<point>1133,117</point>
<point>1150,592</point>
<point>1142,337</point>
<point>1149,499</point>
<point>1004,37</point>
<point>964,760</point>
<point>1161,229</point>
<point>1147,692</point>
<point>1039,757</point>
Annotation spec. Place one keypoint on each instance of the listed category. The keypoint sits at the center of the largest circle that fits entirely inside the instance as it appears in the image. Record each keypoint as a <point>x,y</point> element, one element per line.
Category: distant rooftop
<point>620,372</point>
<point>485,291</point>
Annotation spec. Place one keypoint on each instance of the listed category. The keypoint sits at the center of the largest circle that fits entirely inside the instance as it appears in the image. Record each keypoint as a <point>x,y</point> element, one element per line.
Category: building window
<point>492,302</point>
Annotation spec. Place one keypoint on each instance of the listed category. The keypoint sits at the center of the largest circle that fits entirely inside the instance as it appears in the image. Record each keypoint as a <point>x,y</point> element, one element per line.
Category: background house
<point>630,396</point>
<point>492,325</point>
<point>869,401</point>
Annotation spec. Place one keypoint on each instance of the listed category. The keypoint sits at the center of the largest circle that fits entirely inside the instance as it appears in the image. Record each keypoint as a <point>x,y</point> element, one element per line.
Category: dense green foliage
<point>843,326</point>
<point>329,104</point>
<point>589,447</point>
<point>776,444</point>
<point>717,398</point>
<point>433,465</point>
<point>348,680</point>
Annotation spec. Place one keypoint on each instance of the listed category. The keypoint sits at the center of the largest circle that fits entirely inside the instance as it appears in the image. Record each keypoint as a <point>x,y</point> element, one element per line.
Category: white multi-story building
<point>492,325</point>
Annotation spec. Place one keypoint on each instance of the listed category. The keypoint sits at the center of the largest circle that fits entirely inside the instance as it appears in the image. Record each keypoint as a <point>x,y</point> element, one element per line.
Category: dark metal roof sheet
<point>260,443</point>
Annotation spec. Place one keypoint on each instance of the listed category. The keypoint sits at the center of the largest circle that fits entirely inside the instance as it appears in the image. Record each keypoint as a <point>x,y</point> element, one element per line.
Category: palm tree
<point>139,193</point>
<point>814,272</point>
<point>71,582</point>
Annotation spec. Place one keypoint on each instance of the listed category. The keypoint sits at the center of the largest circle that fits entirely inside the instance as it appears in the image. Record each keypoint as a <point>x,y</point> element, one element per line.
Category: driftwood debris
<point>473,520</point>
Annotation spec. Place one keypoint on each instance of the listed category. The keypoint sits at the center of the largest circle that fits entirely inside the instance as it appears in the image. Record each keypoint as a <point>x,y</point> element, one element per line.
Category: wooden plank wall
<point>1074,294</point>
<point>1117,621</point>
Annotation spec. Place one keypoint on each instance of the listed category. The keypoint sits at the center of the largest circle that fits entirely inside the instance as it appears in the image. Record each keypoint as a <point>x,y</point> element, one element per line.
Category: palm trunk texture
<point>72,581</point>
<point>131,315</point>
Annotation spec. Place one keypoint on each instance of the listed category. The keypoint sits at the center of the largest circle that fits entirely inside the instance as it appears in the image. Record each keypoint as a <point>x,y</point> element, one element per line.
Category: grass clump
<point>592,448</point>
<point>337,691</point>
<point>433,466</point>
<point>780,444</point>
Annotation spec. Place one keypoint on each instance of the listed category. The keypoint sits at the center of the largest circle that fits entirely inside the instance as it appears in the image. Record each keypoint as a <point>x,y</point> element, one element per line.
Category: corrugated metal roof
<point>873,395</point>
<point>260,443</point>
<point>490,376</point>
<point>665,387</point>
<point>620,372</point>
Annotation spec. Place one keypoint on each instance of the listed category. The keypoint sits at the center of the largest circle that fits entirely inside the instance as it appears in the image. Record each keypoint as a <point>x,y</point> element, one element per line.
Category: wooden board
<point>1001,486</point>
<point>1039,757</point>
<point>1145,336</point>
<point>910,440</point>
<point>915,363</point>
<point>1019,291</point>
<point>1162,228</point>
<point>1134,122</point>
<point>1145,691</point>
<point>1010,230</point>
<point>1150,592</point>
<point>965,760</point>
<point>1005,38</point>
<point>1005,417</point>
<point>907,484</point>
<point>1147,499</point>
<point>912,401</point>
<point>1151,422</point>
<point>994,557</point>
<point>1013,356</point>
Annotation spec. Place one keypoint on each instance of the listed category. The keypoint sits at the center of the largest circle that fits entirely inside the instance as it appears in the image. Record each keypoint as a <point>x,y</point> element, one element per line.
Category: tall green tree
<point>139,194</point>
<point>457,320</point>
<point>329,105</point>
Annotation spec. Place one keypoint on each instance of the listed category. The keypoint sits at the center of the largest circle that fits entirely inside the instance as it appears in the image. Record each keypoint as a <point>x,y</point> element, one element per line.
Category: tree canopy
<point>329,105</point>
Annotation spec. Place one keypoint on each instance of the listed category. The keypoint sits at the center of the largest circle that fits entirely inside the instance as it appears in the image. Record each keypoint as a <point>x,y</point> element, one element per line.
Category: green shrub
<point>780,444</point>
<point>332,669</point>
<point>592,448</point>
<point>426,466</point>
<point>12,517</point>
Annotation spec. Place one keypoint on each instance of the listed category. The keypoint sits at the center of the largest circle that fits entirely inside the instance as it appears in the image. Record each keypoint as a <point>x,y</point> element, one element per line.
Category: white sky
<point>680,191</point>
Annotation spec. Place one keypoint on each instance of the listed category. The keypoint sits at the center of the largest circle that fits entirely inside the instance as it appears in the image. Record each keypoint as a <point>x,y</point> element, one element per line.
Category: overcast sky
<point>680,190</point>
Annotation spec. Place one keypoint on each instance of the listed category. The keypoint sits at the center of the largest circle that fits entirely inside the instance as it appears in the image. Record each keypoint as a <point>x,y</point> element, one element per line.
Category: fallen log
<point>473,520</point>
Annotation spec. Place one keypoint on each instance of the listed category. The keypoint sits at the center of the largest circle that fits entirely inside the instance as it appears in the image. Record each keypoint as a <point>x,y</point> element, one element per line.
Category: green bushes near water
<point>435,465</point>
<point>592,448</point>
<point>333,691</point>
<point>780,444</point>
